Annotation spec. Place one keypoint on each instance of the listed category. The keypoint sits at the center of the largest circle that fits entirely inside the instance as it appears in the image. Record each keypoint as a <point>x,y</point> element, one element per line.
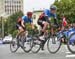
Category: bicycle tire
<point>13,51</point>
<point>53,52</point>
<point>33,45</point>
<point>23,47</point>
<point>68,44</point>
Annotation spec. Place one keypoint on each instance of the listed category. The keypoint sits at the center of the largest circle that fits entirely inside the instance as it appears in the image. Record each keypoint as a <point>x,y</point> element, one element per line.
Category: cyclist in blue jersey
<point>23,20</point>
<point>44,18</point>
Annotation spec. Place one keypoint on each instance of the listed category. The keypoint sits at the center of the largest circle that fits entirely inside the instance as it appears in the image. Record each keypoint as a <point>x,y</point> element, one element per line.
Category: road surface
<point>62,54</point>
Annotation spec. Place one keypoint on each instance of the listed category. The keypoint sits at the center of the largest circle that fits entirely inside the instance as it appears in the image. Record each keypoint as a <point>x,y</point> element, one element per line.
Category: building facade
<point>9,7</point>
<point>1,7</point>
<point>12,6</point>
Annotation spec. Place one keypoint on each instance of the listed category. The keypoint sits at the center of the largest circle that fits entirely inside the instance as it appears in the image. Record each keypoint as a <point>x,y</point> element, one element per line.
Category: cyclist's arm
<point>32,25</point>
<point>55,19</point>
<point>48,19</point>
<point>22,23</point>
<point>46,12</point>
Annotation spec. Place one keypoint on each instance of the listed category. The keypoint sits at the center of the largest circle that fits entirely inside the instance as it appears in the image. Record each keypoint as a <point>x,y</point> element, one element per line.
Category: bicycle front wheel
<point>71,43</point>
<point>26,42</point>
<point>36,46</point>
<point>53,44</point>
<point>27,45</point>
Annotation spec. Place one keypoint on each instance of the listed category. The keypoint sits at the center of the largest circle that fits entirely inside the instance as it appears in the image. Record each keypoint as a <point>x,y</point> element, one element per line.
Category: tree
<point>67,8</point>
<point>10,24</point>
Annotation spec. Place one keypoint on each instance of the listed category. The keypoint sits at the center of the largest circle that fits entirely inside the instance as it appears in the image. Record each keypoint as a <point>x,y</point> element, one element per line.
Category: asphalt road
<point>62,54</point>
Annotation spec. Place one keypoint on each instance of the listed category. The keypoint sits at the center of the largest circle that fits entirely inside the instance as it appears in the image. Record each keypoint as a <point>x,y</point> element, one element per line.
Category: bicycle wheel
<point>25,42</point>
<point>35,46</point>
<point>53,44</point>
<point>71,43</point>
<point>14,45</point>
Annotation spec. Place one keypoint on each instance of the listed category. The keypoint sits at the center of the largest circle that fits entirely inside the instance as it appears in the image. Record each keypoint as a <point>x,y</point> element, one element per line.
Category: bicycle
<point>22,41</point>
<point>50,39</point>
<point>68,35</point>
<point>71,43</point>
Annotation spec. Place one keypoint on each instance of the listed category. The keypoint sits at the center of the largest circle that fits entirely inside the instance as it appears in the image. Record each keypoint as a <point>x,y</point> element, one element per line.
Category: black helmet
<point>53,7</point>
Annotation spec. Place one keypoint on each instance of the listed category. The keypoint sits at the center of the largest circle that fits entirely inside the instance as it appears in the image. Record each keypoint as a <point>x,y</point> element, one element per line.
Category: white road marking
<point>73,55</point>
<point>69,55</point>
<point>68,52</point>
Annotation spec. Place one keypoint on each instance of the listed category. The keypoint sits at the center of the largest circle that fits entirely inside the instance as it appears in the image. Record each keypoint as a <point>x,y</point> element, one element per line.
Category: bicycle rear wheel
<point>53,44</point>
<point>14,45</point>
<point>71,43</point>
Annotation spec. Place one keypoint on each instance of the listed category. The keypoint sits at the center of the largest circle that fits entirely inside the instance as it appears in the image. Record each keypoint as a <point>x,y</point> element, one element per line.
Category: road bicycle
<point>22,40</point>
<point>53,44</point>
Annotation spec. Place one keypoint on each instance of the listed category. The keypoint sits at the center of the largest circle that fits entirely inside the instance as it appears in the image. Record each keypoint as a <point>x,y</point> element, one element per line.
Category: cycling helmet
<point>29,13</point>
<point>53,7</point>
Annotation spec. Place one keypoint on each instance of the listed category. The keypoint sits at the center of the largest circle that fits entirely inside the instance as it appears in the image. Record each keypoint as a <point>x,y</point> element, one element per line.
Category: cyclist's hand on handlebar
<point>33,27</point>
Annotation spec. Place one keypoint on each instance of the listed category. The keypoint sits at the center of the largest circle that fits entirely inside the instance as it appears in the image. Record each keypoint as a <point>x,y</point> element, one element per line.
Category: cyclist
<point>23,20</point>
<point>45,18</point>
<point>63,26</point>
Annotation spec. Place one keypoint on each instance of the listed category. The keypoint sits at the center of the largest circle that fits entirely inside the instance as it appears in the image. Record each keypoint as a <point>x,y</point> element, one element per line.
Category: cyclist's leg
<point>19,28</point>
<point>63,40</point>
<point>41,25</point>
<point>54,26</point>
<point>52,31</point>
<point>21,34</point>
<point>45,25</point>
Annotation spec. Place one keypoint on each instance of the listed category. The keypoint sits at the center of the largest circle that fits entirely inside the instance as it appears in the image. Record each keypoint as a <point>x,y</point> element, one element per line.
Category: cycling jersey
<point>64,22</point>
<point>26,19</point>
<point>49,14</point>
